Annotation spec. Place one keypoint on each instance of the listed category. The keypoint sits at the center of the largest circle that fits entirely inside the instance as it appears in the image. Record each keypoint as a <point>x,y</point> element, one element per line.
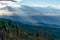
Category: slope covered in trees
<point>9,31</point>
<point>12,30</point>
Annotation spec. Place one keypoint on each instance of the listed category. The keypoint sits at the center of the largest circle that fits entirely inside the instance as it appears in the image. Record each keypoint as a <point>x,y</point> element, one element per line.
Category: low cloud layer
<point>5,12</point>
<point>46,5</point>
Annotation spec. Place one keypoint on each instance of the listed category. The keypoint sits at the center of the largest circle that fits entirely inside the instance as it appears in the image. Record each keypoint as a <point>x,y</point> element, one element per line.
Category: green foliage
<point>14,32</point>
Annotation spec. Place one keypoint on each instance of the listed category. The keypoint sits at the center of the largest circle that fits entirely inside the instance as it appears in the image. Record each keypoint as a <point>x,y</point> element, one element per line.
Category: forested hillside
<point>9,31</point>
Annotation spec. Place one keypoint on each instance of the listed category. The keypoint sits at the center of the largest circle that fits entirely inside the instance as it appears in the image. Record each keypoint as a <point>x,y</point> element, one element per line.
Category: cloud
<point>17,0</point>
<point>46,5</point>
<point>56,6</point>
<point>2,6</point>
<point>10,3</point>
<point>11,0</point>
<point>51,14</point>
<point>5,12</point>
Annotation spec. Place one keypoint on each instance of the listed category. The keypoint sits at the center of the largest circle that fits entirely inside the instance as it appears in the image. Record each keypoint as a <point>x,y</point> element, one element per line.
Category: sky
<point>35,3</point>
<point>42,3</point>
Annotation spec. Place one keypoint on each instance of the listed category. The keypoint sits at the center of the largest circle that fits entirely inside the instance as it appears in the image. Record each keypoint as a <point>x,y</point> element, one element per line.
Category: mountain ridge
<point>31,15</point>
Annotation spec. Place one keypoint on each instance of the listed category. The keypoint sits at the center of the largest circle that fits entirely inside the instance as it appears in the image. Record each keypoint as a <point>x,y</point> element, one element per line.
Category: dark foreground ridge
<point>12,30</point>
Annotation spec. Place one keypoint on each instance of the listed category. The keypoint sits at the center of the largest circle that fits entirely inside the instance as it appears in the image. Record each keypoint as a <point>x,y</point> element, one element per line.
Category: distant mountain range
<point>34,15</point>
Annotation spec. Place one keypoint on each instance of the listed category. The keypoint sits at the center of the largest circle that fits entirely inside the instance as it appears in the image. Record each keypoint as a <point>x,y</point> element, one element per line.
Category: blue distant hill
<point>33,15</point>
